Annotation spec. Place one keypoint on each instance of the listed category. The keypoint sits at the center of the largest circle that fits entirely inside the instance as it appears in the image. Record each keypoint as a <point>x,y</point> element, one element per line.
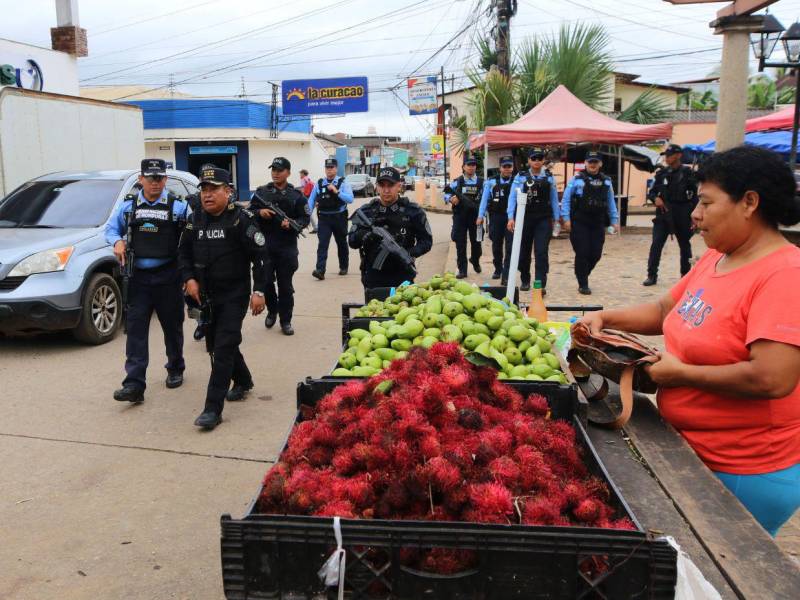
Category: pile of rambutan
<point>434,437</point>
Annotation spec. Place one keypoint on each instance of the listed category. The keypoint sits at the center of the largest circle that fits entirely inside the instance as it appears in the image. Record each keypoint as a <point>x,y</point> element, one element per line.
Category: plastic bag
<point>691,584</point>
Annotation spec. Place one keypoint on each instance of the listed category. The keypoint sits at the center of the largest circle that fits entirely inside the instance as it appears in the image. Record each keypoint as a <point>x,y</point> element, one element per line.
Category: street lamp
<point>764,43</point>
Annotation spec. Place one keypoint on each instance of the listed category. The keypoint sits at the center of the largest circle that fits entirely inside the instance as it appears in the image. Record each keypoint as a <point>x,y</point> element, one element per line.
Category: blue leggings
<point>771,498</point>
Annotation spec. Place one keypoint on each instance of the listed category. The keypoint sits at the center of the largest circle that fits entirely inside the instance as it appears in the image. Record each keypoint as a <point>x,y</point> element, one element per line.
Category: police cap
<point>536,154</point>
<point>593,156</point>
<point>389,174</point>
<point>470,160</point>
<point>154,166</point>
<point>280,163</point>
<point>331,162</point>
<point>673,149</point>
<point>506,160</point>
<point>214,175</point>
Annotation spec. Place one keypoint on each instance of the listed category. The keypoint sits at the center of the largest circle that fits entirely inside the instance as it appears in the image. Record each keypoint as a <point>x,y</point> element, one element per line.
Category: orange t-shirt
<point>715,318</point>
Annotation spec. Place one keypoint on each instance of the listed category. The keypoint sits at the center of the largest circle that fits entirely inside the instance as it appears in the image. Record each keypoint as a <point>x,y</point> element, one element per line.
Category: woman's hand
<point>667,371</point>
<point>594,320</point>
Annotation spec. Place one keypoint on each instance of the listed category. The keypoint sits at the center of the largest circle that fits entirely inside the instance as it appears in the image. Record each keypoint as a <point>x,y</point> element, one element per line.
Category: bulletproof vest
<point>593,202</point>
<point>676,185</point>
<point>219,255</point>
<point>537,189</point>
<point>396,219</point>
<point>469,193</point>
<point>325,200</point>
<point>154,233</point>
<point>498,203</point>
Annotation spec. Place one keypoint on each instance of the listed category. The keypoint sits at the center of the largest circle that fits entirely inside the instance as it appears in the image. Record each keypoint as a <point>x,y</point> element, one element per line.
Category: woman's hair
<point>303,172</point>
<point>749,168</point>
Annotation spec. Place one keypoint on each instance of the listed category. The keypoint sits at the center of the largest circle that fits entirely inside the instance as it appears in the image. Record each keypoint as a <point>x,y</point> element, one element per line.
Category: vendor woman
<point>728,380</point>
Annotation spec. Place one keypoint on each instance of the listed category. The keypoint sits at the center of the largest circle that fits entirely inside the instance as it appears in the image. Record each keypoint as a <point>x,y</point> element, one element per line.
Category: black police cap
<point>593,156</point>
<point>536,153</point>
<point>470,160</point>
<point>389,174</point>
<point>673,149</point>
<point>331,162</point>
<point>506,160</point>
<point>154,166</point>
<point>280,164</point>
<point>214,176</point>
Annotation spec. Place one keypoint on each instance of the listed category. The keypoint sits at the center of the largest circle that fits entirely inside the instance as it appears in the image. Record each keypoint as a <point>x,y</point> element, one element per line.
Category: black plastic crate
<point>278,556</point>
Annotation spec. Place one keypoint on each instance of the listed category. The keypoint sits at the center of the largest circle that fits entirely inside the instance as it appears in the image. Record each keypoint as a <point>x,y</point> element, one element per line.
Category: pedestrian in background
<point>306,186</point>
<point>464,196</point>
<point>331,195</point>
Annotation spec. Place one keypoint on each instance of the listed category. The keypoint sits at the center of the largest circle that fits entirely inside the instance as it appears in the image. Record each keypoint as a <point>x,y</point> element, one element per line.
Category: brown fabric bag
<point>618,356</point>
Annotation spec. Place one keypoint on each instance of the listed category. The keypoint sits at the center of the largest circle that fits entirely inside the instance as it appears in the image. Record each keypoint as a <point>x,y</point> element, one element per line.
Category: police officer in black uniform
<point>331,196</point>
<point>155,219</point>
<point>494,203</point>
<point>675,195</point>
<point>217,248</point>
<point>465,197</point>
<point>403,219</point>
<point>282,253</point>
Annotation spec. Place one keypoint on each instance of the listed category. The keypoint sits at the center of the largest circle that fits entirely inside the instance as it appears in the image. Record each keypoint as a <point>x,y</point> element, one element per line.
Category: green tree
<point>697,101</point>
<point>648,108</point>
<point>761,92</point>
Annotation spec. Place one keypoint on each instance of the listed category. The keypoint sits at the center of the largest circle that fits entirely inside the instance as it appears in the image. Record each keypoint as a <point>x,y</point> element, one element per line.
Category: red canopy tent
<point>777,120</point>
<point>561,119</point>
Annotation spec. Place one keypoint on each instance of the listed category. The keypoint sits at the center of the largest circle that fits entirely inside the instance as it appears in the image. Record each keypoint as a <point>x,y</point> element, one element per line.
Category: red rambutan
<point>491,500</point>
<point>337,508</point>
<point>536,404</point>
<point>504,470</point>
<point>442,474</point>
<point>540,511</point>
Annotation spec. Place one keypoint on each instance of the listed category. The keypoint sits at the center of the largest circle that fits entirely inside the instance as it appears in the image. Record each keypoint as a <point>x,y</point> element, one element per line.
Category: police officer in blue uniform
<point>156,219</point>
<point>282,253</point>
<point>589,207</point>
<point>403,219</point>
<point>494,201</point>
<point>217,248</point>
<point>331,196</point>
<point>464,196</point>
<point>675,195</point>
<point>541,212</point>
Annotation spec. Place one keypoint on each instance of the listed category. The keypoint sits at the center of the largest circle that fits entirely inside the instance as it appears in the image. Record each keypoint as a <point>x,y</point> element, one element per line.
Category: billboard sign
<point>324,96</point>
<point>422,96</point>
<point>437,146</point>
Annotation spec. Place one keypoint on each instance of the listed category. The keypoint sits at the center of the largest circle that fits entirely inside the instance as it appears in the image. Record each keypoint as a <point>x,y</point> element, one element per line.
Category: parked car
<point>361,183</point>
<point>56,270</point>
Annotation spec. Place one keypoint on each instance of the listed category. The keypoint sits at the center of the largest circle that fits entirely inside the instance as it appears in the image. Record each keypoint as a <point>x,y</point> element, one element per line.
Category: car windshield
<point>78,203</point>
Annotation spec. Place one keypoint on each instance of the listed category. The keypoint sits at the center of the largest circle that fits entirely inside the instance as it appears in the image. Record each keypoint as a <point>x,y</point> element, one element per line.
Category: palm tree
<point>493,101</point>
<point>697,101</point>
<point>761,92</point>
<point>649,107</point>
<point>487,54</point>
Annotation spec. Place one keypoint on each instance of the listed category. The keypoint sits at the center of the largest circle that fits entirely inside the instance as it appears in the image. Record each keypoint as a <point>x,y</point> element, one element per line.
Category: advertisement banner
<point>325,96</point>
<point>422,96</point>
<point>437,146</point>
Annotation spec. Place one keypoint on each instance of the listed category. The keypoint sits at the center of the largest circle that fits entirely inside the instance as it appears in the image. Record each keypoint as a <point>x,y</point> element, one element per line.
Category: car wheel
<point>101,314</point>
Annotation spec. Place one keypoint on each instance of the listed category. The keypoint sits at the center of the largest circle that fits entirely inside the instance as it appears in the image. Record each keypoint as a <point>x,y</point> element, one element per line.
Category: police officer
<point>155,219</point>
<point>495,201</point>
<point>331,196</point>
<point>465,199</point>
<point>403,219</point>
<point>282,251</point>
<point>539,187</point>
<point>217,248</point>
<point>675,196</point>
<point>589,207</point>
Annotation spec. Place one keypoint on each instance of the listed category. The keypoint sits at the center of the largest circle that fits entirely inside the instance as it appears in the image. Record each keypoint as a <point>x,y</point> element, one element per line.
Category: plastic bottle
<point>537,310</point>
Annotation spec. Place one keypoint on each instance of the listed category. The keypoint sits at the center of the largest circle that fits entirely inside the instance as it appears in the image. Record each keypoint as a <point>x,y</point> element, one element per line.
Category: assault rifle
<point>206,321</point>
<point>268,204</point>
<point>388,245</point>
<point>127,269</point>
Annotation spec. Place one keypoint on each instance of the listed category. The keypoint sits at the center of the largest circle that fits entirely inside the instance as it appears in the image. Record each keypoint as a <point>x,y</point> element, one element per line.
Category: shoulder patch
<point>248,212</point>
<point>258,238</point>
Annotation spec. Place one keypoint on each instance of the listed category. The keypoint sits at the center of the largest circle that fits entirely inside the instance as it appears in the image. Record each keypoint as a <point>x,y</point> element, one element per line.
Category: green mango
<point>434,305</point>
<point>482,315</point>
<point>524,345</point>
<point>541,370</point>
<point>464,288</point>
<point>347,360</point>
<point>454,297</point>
<point>501,375</point>
<point>451,309</point>
<point>519,333</point>
<point>411,329</point>
<point>541,332</point>
<point>552,360</point>
<point>534,377</point>
<point>442,321</point>
<point>533,353</point>
<point>436,282</point>
<point>401,344</point>
<point>351,350</point>
<point>481,328</point>
<point>513,355</point>
<point>403,314</point>
<point>385,353</point>
<point>472,341</point>
<point>543,344</point>
<point>342,372</point>
<point>459,319</point>
<point>468,327</point>
<point>428,341</point>
<point>508,324</point>
<point>363,348</point>
<point>500,358</point>
<point>509,315</point>
<point>375,328</point>
<point>364,371</point>
<point>432,332</point>
<point>393,331</point>
<point>372,361</point>
<point>401,354</point>
<point>483,349</point>
<point>497,310</point>
<point>410,293</point>
<point>392,309</point>
<point>358,333</point>
<point>353,342</point>
<point>379,341</point>
<point>555,377</point>
<point>499,342</point>
<point>452,333</point>
<point>495,322</point>
<point>396,299</point>
<point>473,303</point>
<point>430,319</point>
<point>519,371</point>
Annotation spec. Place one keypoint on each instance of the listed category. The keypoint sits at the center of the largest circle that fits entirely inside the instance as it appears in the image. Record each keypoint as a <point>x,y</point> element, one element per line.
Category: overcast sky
<point>208,46</point>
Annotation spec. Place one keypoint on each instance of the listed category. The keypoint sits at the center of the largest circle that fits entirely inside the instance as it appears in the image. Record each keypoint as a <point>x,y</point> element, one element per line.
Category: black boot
<point>318,274</point>
<point>287,329</point>
<point>129,393</point>
<point>269,322</point>
<point>650,281</point>
<point>174,379</point>
<point>497,275</point>
<point>476,264</point>
<point>238,392</point>
<point>208,420</point>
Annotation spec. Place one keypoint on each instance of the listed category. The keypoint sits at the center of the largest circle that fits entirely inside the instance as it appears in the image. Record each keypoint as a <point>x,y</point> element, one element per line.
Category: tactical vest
<point>593,202</point>
<point>154,232</point>
<point>285,200</point>
<point>327,201</point>
<point>537,189</point>
<point>469,193</point>
<point>498,203</point>
<point>219,256</point>
<point>677,189</point>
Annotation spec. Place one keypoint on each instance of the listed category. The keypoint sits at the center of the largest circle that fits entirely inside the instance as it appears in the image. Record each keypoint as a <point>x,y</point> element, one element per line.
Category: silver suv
<point>56,269</point>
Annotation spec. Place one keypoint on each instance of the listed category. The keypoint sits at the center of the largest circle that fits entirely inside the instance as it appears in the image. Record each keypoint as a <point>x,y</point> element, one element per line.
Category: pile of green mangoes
<point>414,295</point>
<point>520,346</point>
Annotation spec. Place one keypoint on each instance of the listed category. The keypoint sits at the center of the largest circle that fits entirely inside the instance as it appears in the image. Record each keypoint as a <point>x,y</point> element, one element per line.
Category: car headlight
<point>46,261</point>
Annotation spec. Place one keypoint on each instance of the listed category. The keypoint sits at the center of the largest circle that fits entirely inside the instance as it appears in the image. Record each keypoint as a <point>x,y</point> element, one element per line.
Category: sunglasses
<point>537,157</point>
<point>155,178</point>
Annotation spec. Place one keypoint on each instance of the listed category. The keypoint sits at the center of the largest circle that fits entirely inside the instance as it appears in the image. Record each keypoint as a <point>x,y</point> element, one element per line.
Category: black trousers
<point>587,242</point>
<point>281,265</point>
<point>501,242</point>
<point>228,363</point>
<point>464,225</point>
<point>536,234</point>
<point>153,290</point>
<point>682,221</point>
<point>332,225</point>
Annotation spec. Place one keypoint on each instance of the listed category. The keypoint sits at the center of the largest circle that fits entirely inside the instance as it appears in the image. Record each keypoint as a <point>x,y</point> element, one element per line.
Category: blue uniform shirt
<point>488,186</point>
<point>454,184</point>
<point>116,228</point>
<point>575,187</point>
<point>516,188</point>
<point>345,194</point>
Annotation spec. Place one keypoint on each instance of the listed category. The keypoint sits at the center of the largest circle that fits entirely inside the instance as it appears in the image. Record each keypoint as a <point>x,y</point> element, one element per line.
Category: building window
<point>617,104</point>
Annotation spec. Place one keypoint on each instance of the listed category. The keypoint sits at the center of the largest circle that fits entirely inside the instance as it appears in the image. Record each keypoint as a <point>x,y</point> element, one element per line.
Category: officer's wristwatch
<point>257,293</point>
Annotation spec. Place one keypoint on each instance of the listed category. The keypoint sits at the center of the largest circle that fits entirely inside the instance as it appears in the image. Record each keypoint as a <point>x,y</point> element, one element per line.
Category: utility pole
<point>273,114</point>
<point>505,9</point>
<point>444,125</point>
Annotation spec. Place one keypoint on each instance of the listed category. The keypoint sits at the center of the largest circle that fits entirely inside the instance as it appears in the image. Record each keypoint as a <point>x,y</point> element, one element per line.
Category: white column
<point>67,13</point>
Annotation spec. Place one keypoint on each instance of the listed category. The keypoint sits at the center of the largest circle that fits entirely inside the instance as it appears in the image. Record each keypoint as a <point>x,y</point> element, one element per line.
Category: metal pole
<point>519,220</point>
<point>619,185</point>
<point>485,160</point>
<point>796,122</point>
<point>444,127</point>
